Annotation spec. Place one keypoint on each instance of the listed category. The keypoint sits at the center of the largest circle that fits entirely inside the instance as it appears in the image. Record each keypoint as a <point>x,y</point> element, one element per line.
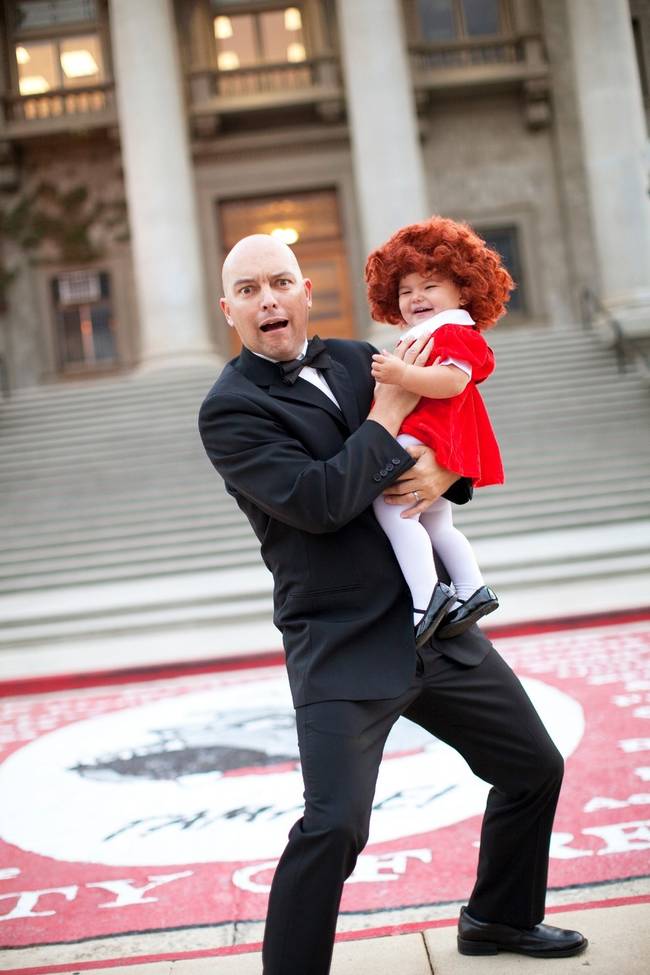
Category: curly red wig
<point>448,248</point>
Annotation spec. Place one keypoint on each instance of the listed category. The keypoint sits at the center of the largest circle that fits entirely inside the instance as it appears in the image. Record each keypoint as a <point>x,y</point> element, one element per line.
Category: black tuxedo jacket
<point>305,474</point>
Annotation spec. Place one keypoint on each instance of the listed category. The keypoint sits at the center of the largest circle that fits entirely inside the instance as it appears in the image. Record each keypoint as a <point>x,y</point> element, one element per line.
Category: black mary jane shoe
<point>441,600</point>
<point>542,941</point>
<point>479,604</point>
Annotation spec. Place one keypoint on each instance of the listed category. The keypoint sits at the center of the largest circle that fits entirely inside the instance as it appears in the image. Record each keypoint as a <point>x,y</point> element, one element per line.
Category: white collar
<point>454,316</point>
<point>301,355</point>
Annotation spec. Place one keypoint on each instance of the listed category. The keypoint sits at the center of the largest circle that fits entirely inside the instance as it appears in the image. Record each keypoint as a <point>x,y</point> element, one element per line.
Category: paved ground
<point>114,794</point>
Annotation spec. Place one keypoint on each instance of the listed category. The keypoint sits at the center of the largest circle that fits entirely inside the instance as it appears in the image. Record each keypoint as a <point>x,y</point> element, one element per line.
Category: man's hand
<point>422,484</point>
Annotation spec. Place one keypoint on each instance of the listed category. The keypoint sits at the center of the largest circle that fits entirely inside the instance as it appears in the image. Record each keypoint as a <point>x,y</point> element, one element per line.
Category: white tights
<point>414,539</point>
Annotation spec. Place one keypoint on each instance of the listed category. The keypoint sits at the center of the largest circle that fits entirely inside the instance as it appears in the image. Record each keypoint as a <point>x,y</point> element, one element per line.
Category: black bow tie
<point>316,356</point>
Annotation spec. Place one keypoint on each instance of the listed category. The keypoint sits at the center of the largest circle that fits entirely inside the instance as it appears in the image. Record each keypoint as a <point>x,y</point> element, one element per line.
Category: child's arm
<point>434,381</point>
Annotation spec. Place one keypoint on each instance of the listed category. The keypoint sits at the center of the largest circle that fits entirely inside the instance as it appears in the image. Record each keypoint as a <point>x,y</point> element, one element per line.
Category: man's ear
<point>225,308</point>
<point>308,290</point>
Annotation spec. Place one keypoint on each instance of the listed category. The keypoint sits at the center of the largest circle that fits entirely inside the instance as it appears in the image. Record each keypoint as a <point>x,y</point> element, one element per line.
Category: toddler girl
<point>439,277</point>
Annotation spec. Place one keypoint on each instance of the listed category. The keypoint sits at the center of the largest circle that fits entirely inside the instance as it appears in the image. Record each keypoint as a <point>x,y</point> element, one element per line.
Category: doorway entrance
<point>310,223</point>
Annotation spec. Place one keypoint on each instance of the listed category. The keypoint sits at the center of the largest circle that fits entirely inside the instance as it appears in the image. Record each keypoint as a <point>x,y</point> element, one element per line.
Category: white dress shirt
<point>313,376</point>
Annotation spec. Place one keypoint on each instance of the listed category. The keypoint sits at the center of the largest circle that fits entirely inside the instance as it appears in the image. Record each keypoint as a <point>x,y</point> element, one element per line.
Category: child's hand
<point>387,368</point>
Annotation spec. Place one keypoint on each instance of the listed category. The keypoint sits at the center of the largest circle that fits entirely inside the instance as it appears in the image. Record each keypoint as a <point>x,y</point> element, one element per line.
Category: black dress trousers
<point>481,711</point>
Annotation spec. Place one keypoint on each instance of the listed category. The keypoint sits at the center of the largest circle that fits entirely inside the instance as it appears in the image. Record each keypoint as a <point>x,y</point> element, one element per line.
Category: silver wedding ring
<point>416,495</point>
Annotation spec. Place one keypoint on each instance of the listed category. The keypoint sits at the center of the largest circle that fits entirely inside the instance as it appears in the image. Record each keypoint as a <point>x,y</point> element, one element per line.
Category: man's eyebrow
<point>242,281</point>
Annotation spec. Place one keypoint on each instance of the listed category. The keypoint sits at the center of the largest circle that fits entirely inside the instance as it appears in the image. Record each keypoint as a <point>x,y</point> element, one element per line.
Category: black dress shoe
<point>441,600</point>
<point>480,603</point>
<point>542,941</point>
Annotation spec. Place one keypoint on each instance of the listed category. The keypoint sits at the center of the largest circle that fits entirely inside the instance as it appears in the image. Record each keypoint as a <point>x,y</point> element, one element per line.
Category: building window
<point>31,14</point>
<point>66,62</point>
<point>273,36</point>
<point>505,240</point>
<point>85,331</point>
<point>448,20</point>
<point>59,65</point>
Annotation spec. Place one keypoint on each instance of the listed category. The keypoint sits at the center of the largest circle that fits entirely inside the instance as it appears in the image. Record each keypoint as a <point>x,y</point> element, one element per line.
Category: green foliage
<point>50,223</point>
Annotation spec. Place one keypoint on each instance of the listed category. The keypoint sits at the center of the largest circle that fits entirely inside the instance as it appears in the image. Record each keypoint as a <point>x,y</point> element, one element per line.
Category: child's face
<point>422,296</point>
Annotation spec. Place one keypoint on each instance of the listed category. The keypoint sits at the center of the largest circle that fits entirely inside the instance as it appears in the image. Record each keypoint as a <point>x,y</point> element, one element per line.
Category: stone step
<point>179,406</point>
<point>212,532</point>
<point>159,466</point>
<point>585,555</point>
<point>246,554</point>
<point>117,529</point>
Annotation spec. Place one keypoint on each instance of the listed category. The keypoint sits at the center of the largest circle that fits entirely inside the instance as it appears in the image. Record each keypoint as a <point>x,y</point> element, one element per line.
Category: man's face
<point>266,299</point>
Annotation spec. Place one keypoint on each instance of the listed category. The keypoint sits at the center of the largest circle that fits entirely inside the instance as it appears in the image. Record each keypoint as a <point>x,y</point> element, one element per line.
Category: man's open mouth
<point>274,326</point>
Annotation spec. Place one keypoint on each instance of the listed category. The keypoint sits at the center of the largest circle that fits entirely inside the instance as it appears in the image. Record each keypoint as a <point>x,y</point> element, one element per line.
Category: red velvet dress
<point>458,429</point>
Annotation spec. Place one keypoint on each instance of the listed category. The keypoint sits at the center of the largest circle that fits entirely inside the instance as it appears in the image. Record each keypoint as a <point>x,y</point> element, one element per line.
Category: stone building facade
<point>138,141</point>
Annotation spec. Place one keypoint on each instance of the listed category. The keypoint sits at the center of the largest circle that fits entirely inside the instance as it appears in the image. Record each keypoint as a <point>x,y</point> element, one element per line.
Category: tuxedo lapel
<point>267,374</point>
<point>338,379</point>
<point>305,392</point>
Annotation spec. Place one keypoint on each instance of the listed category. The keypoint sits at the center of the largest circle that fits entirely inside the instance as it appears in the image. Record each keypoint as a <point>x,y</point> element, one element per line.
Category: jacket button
<point>396,461</point>
<point>376,477</point>
<point>383,472</point>
<point>389,467</point>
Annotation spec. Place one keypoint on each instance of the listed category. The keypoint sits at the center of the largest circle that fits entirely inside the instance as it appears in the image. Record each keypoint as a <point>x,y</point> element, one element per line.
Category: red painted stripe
<point>395,929</point>
<point>269,658</point>
<point>100,678</point>
<point>534,627</point>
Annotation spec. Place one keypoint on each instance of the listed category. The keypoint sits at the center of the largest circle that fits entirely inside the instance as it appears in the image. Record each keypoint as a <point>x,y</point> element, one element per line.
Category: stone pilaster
<point>616,155</point>
<point>160,184</point>
<point>387,156</point>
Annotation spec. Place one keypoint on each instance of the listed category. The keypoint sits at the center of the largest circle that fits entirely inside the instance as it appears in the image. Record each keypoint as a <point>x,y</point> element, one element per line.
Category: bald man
<point>305,443</point>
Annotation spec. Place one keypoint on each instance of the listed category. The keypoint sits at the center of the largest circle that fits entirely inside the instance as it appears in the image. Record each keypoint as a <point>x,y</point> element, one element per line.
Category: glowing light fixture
<point>288,235</point>
<point>22,55</point>
<point>228,60</point>
<point>292,19</point>
<point>78,64</point>
<point>296,52</point>
<point>222,28</point>
<point>35,84</point>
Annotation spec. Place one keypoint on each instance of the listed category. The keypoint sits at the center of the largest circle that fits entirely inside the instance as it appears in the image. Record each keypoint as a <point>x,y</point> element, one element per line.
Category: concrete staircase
<point>119,545</point>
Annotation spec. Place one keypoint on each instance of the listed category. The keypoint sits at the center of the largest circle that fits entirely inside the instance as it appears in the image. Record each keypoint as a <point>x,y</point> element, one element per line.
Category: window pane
<point>45,13</point>
<point>70,336</point>
<point>505,240</point>
<point>81,61</point>
<point>278,43</point>
<point>103,341</point>
<point>236,42</point>
<point>481,17</point>
<point>38,67</point>
<point>437,20</point>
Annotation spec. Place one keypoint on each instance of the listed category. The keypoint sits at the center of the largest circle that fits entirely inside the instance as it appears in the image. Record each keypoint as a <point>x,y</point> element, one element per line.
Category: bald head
<point>250,251</point>
<point>266,299</point>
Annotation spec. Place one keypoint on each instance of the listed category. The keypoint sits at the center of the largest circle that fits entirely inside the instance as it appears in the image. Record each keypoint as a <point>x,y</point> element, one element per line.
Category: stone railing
<point>59,103</point>
<point>596,317</point>
<point>278,83</point>
<point>513,60</point>
<point>467,53</point>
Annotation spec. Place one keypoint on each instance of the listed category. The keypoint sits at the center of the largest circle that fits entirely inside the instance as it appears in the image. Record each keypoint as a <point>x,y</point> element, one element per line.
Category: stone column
<point>387,157</point>
<point>616,155</point>
<point>167,256</point>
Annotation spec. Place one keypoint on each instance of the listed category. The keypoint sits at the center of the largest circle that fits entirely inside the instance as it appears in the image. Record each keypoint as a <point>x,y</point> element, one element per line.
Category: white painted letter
<point>28,899</point>
<point>126,894</point>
